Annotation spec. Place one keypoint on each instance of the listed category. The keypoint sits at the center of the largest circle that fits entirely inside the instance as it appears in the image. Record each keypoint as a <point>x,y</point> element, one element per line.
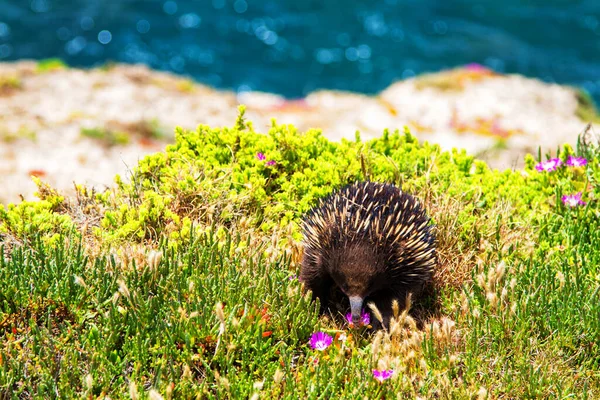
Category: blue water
<point>293,47</point>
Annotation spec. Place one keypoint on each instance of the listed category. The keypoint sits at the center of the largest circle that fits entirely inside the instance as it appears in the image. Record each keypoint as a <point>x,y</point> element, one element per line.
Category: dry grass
<point>459,248</point>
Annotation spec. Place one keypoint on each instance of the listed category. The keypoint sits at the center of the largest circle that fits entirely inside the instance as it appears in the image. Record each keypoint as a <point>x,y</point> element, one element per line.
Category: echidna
<point>370,240</point>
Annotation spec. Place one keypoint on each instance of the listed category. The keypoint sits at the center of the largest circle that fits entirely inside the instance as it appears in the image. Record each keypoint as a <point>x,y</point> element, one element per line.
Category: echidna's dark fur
<point>372,241</point>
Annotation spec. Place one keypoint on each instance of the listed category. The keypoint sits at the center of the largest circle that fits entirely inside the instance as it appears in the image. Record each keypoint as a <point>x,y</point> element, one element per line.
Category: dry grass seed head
<point>123,288</point>
<point>80,282</point>
<point>220,313</point>
<point>187,373</point>
<point>395,308</point>
<point>154,395</point>
<point>133,392</point>
<point>453,262</point>
<point>376,312</point>
<point>457,251</point>
<point>278,376</point>
<point>153,259</point>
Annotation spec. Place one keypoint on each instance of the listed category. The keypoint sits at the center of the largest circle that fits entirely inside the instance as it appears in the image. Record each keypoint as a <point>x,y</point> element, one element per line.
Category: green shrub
<point>297,170</point>
<point>29,219</point>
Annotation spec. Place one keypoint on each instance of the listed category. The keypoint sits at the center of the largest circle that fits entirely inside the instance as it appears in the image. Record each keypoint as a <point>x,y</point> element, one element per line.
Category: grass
<point>181,283</point>
<point>88,312</point>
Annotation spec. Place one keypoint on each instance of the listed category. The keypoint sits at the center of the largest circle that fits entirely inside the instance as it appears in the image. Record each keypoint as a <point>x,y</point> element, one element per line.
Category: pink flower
<point>474,67</point>
<point>365,318</point>
<point>320,341</point>
<point>261,157</point>
<point>573,161</point>
<point>573,200</point>
<point>383,375</point>
<point>549,165</point>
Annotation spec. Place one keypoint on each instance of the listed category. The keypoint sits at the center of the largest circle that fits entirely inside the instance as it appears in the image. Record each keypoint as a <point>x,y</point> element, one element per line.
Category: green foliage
<point>142,219</point>
<point>155,319</point>
<point>31,218</point>
<point>50,64</point>
<point>562,295</point>
<point>299,169</point>
<point>182,287</point>
<point>540,313</point>
<point>107,136</point>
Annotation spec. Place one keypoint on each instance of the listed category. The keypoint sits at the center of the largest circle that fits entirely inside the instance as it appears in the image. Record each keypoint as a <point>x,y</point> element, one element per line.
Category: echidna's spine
<point>388,224</point>
<point>382,214</point>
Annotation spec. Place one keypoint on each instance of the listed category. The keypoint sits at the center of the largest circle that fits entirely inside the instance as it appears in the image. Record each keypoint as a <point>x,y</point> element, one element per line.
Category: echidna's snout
<point>356,303</point>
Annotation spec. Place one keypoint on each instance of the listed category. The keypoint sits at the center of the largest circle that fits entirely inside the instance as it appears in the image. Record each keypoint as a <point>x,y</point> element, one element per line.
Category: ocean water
<point>293,47</point>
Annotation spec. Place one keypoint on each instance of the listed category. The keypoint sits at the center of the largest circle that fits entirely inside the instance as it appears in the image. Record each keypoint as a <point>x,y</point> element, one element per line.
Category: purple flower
<point>260,156</point>
<point>320,341</point>
<point>383,375</point>
<point>365,318</point>
<point>573,161</point>
<point>573,200</point>
<point>549,165</point>
<point>270,163</point>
